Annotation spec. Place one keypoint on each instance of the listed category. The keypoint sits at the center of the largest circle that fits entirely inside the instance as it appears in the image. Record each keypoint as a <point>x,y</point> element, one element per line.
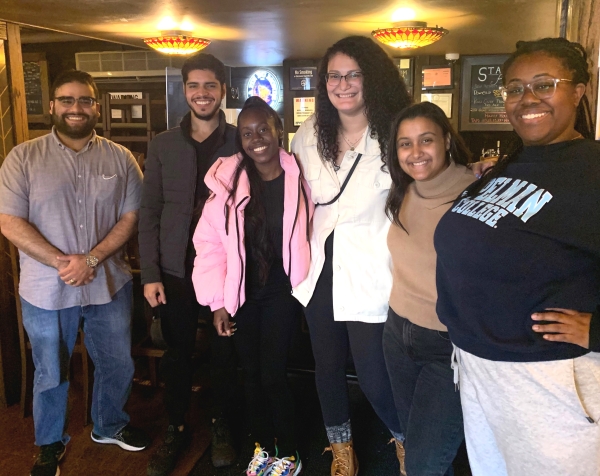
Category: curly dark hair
<point>255,220</point>
<point>384,94</point>
<point>458,152</point>
<point>574,58</point>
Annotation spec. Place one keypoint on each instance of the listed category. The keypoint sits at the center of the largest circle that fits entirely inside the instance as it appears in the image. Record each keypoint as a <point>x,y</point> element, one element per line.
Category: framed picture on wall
<point>482,106</point>
<point>437,77</point>
<point>443,100</point>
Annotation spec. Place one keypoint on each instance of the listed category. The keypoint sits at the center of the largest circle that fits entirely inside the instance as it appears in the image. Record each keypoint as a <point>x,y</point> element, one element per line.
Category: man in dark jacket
<point>173,195</point>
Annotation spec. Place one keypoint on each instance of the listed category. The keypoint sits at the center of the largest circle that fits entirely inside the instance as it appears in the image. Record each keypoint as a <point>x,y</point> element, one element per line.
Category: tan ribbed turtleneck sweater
<point>414,293</point>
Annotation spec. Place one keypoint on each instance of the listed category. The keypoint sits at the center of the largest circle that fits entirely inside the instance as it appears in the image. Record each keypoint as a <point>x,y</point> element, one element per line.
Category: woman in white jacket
<point>348,286</point>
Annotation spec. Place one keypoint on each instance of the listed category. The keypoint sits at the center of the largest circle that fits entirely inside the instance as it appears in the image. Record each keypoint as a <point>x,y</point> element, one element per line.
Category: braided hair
<point>573,58</point>
<point>255,219</point>
<point>384,94</point>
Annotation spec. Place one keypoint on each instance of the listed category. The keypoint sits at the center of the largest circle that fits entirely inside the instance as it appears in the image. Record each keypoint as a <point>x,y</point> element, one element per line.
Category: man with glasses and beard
<point>173,196</point>
<point>69,202</point>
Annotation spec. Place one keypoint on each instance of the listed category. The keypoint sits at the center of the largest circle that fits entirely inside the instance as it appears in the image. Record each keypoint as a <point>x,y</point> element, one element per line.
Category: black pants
<point>265,329</point>
<point>332,341</point>
<point>179,323</point>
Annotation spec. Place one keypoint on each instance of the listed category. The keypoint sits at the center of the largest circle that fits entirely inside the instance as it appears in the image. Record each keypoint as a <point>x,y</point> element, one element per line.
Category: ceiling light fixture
<point>176,42</point>
<point>408,35</point>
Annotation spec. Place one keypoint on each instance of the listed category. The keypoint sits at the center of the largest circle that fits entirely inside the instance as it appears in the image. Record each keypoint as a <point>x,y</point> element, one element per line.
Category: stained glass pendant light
<point>176,42</point>
<point>409,35</point>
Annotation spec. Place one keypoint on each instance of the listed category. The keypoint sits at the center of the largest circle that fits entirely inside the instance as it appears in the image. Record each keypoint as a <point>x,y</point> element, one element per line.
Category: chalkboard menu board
<point>35,72</point>
<point>482,106</point>
<point>33,87</point>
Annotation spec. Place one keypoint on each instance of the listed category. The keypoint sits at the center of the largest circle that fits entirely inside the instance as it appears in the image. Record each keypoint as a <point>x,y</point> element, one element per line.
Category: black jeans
<point>265,329</point>
<point>179,324</point>
<point>428,404</point>
<point>331,343</point>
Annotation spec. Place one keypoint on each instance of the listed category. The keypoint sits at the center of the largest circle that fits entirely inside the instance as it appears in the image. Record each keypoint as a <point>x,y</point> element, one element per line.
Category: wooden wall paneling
<point>10,375</point>
<point>583,26</point>
<point>17,83</point>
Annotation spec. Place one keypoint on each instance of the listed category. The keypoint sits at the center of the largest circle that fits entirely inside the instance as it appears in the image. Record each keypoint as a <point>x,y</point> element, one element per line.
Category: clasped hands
<point>74,271</point>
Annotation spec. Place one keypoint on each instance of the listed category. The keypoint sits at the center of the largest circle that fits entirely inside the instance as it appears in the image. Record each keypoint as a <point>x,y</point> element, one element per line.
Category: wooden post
<point>17,83</point>
<point>15,131</point>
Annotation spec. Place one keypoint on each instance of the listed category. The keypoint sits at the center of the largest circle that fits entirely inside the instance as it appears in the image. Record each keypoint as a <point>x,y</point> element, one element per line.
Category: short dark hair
<point>204,61</point>
<point>74,76</point>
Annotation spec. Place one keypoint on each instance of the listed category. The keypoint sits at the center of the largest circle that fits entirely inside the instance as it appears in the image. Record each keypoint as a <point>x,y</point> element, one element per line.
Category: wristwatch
<point>91,261</point>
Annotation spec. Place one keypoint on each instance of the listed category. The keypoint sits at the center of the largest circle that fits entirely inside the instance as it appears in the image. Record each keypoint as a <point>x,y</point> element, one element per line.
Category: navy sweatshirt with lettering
<point>529,241</point>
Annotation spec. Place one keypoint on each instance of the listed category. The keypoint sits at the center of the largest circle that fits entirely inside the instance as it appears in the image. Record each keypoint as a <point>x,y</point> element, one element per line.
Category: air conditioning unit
<point>122,64</point>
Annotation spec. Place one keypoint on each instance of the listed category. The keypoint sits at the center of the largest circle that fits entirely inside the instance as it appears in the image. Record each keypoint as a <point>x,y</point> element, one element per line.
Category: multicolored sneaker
<point>290,466</point>
<point>259,463</point>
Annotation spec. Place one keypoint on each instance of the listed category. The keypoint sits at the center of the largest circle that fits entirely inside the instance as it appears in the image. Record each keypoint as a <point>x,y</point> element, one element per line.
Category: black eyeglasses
<point>353,77</point>
<point>84,101</point>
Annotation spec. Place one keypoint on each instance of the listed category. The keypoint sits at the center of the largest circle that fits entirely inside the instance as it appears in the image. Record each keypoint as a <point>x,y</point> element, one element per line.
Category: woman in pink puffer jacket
<point>252,246</point>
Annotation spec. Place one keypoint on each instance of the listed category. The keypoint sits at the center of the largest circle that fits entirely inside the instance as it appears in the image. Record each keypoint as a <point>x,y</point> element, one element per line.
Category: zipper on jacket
<point>226,219</point>
<point>292,233</point>
<point>306,210</point>
<point>237,231</point>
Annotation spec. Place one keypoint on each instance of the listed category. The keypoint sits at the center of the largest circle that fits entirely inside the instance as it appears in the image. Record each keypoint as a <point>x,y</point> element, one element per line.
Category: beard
<point>206,116</point>
<point>79,131</point>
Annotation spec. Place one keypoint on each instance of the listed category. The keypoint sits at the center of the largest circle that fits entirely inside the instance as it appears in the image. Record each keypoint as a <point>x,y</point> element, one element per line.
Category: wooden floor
<point>86,458</point>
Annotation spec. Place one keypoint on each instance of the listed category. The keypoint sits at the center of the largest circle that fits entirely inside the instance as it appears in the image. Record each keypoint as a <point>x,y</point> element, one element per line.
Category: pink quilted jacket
<point>218,275</point>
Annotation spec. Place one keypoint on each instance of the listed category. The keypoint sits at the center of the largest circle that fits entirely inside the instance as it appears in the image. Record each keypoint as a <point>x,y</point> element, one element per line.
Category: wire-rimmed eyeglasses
<point>84,101</point>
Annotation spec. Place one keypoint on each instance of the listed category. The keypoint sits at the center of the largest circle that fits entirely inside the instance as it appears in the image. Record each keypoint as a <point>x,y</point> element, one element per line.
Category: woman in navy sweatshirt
<point>518,277</point>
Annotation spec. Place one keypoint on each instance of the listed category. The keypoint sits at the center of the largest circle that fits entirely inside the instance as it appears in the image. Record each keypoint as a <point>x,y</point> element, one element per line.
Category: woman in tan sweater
<point>428,169</point>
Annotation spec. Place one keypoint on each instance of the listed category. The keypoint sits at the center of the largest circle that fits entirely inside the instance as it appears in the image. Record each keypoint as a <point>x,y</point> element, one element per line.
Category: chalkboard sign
<point>35,72</point>
<point>33,87</point>
<point>482,106</point>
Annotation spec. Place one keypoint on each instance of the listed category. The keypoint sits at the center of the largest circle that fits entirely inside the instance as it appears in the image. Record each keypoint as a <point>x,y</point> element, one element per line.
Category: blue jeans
<point>428,405</point>
<point>52,334</point>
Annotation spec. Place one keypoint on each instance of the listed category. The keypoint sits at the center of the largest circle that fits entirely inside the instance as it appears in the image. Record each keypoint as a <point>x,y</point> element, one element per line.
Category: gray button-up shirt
<point>73,199</point>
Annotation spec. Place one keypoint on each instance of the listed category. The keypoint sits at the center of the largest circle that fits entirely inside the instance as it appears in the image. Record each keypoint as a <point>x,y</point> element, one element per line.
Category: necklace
<point>578,136</point>
<point>352,144</point>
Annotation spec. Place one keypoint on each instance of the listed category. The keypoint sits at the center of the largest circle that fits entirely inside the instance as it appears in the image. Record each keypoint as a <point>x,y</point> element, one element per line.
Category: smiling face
<point>260,137</point>
<point>346,97</point>
<point>75,122</point>
<point>204,93</point>
<point>543,121</point>
<point>421,147</point>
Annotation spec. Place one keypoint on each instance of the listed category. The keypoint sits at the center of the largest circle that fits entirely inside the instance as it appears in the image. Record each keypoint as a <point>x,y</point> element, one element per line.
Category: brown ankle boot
<point>344,459</point>
<point>401,455</point>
